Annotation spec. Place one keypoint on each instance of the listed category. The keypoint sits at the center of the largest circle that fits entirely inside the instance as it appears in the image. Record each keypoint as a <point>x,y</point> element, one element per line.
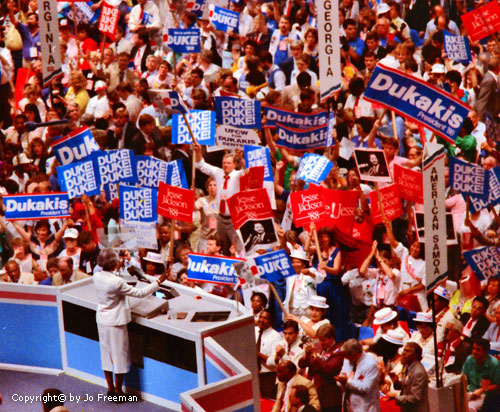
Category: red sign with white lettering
<point>308,206</point>
<point>108,22</point>
<point>253,179</point>
<point>411,184</point>
<point>175,203</point>
<point>391,202</point>
<point>250,205</point>
<point>482,22</point>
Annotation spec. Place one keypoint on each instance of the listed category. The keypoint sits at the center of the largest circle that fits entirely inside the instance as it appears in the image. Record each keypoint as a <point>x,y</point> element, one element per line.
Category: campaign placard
<point>223,19</point>
<point>483,21</point>
<point>79,178</point>
<point>108,22</point>
<point>468,178</point>
<point>340,207</point>
<point>84,12</point>
<point>372,165</point>
<point>313,168</point>
<point>479,203</point>
<point>294,120</point>
<point>308,206</point>
<point>110,191</point>
<point>418,100</point>
<point>36,206</point>
<point>202,124</point>
<point>49,40</point>
<point>332,122</point>
<point>167,101</point>
<point>74,147</point>
<point>176,175</point>
<point>259,156</point>
<point>274,266</point>
<point>138,204</point>
<point>115,166</point>
<point>184,40</point>
<point>253,179</point>
<point>212,269</point>
<point>175,203</point>
<point>230,137</point>
<point>410,184</point>
<point>243,113</point>
<point>484,261</point>
<point>151,171</point>
<point>302,139</point>
<point>391,202</point>
<point>144,233</point>
<point>457,48</point>
<point>492,128</point>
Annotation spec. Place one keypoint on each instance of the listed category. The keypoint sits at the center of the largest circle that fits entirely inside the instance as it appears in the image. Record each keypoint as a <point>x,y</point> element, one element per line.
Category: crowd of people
<point>356,332</point>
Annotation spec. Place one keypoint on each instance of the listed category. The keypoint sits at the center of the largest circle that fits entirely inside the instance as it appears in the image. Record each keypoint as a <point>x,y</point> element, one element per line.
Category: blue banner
<point>115,166</point>
<point>202,124</point>
<point>36,206</point>
<point>468,178</point>
<point>302,139</point>
<point>212,269</point>
<point>184,40</point>
<point>479,203</point>
<point>492,128</point>
<point>484,261</point>
<point>274,266</point>
<point>151,171</point>
<point>295,120</point>
<point>138,204</point>
<point>259,156</point>
<point>313,168</point>
<point>457,48</point>
<point>176,176</point>
<point>224,19</point>
<point>414,98</point>
<point>75,147</point>
<point>244,113</point>
<point>79,178</point>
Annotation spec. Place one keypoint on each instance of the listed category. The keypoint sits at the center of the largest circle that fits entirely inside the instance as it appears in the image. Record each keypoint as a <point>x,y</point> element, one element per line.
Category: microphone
<point>137,273</point>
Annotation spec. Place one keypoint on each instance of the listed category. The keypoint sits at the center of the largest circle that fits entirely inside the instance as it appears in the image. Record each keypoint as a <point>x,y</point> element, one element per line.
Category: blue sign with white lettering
<point>115,166</point>
<point>167,101</point>
<point>293,120</point>
<point>259,156</point>
<point>75,146</point>
<point>138,204</point>
<point>184,40</point>
<point>468,178</point>
<point>84,12</point>
<point>244,113</point>
<point>223,19</point>
<point>414,98</point>
<point>479,203</point>
<point>484,261</point>
<point>274,266</point>
<point>198,7</point>
<point>202,124</point>
<point>110,191</point>
<point>151,171</point>
<point>313,168</point>
<point>36,206</point>
<point>212,269</point>
<point>330,141</point>
<point>302,139</point>
<point>79,178</point>
<point>176,176</point>
<point>457,48</point>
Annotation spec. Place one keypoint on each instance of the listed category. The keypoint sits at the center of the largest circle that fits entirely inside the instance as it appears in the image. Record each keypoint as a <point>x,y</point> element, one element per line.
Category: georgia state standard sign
<point>414,98</point>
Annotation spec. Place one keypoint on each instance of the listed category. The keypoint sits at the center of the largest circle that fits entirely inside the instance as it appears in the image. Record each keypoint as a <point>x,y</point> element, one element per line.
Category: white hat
<point>438,68</point>
<point>153,257</point>
<point>382,8</point>
<point>440,291</point>
<point>318,302</point>
<point>394,336</point>
<point>423,317</point>
<point>384,315</point>
<point>70,233</point>
<point>21,159</point>
<point>100,85</point>
<point>299,254</point>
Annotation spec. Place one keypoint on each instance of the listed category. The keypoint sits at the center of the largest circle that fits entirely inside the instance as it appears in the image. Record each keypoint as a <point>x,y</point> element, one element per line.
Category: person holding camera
<point>112,316</point>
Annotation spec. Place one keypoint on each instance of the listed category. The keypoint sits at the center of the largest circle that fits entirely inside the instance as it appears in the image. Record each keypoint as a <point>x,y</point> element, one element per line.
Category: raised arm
<point>366,263</point>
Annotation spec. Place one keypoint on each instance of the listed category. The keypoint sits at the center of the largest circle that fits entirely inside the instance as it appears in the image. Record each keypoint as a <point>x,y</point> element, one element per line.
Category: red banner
<point>108,21</point>
<point>253,179</point>
<point>175,202</point>
<point>482,22</point>
<point>411,184</point>
<point>308,206</point>
<point>391,202</point>
<point>251,205</point>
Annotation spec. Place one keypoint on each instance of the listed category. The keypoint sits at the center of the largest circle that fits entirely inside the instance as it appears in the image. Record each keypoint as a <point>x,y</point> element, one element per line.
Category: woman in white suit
<point>113,314</point>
